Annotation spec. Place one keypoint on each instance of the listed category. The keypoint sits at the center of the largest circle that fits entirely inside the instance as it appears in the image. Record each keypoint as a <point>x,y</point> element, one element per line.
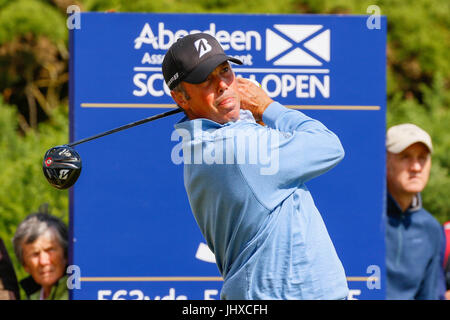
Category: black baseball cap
<point>192,58</point>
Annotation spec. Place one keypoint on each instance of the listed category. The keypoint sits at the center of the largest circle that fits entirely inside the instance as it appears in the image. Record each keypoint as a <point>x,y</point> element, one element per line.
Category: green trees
<point>34,89</point>
<point>33,108</point>
<point>33,59</point>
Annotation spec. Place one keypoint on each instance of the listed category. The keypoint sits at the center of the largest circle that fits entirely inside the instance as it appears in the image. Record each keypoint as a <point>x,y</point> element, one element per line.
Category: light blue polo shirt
<point>246,187</point>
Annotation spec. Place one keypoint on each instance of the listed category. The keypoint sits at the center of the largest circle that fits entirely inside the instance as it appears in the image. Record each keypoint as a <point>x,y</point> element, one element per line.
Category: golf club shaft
<point>130,125</point>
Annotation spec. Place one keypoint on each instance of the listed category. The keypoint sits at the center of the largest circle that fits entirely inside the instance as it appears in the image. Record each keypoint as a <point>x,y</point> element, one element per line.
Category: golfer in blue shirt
<point>246,161</point>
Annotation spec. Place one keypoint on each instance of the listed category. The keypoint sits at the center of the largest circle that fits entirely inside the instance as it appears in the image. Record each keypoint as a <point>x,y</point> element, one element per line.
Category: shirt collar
<point>206,124</point>
<point>394,208</point>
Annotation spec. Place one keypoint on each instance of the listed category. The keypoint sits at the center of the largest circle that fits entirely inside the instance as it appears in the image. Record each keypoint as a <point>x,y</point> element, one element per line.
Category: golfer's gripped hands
<point>253,98</point>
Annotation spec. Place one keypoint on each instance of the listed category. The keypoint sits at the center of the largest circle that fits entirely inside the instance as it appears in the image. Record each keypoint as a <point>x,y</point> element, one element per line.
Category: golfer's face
<point>216,98</point>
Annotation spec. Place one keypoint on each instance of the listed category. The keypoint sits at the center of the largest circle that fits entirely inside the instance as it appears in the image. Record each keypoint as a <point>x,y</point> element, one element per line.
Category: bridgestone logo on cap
<point>202,47</point>
<point>174,77</point>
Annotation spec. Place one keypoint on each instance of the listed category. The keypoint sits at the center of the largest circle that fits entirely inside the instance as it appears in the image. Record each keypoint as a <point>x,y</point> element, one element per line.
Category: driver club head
<point>62,166</point>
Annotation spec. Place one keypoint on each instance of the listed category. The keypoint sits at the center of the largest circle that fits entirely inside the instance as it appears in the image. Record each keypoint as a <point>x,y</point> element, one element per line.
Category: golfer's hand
<point>253,98</point>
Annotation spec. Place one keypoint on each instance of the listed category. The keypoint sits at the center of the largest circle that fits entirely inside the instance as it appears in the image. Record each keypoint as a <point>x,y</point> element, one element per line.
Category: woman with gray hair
<point>41,245</point>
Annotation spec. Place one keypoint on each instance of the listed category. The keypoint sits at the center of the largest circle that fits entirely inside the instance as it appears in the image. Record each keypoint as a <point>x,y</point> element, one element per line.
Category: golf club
<point>62,164</point>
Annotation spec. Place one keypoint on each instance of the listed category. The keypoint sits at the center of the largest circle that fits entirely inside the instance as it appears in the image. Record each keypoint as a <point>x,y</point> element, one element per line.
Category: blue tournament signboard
<point>133,233</point>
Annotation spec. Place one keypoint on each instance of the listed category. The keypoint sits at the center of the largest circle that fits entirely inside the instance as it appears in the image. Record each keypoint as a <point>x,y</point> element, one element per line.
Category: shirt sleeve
<point>292,149</point>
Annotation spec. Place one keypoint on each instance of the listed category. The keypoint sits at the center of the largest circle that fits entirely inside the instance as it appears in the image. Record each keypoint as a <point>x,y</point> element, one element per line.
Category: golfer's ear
<point>180,99</point>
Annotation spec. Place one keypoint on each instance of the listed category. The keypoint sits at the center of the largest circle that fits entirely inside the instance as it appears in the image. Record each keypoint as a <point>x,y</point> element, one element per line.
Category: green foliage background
<point>418,81</point>
<point>23,186</point>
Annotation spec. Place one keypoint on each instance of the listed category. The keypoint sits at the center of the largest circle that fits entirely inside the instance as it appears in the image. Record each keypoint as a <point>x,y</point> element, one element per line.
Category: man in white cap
<point>413,236</point>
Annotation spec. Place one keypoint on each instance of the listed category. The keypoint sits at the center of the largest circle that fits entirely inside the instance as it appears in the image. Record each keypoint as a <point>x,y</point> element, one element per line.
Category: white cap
<point>401,136</point>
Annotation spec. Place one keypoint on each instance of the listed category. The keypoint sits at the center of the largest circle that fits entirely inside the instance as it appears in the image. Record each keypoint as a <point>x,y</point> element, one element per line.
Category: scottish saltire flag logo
<point>298,45</point>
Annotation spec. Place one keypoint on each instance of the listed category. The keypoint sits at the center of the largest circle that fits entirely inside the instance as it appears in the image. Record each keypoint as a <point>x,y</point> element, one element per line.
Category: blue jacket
<point>245,185</point>
<point>413,253</point>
